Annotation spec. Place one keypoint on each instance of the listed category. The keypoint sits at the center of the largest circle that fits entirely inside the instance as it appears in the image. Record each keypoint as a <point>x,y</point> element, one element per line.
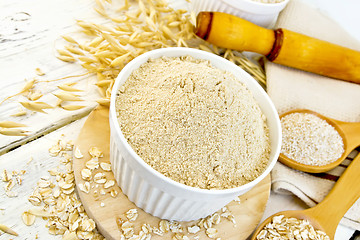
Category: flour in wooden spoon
<point>194,123</point>
<point>310,140</point>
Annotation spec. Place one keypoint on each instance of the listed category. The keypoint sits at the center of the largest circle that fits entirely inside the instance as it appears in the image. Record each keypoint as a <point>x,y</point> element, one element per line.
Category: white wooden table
<point>29,33</point>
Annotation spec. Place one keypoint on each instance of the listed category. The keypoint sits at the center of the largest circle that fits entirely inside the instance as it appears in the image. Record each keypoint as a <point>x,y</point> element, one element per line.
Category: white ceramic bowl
<point>262,14</point>
<point>159,195</point>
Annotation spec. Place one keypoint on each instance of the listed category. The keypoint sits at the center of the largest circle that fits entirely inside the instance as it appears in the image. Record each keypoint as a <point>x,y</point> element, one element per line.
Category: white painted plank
<point>39,22</point>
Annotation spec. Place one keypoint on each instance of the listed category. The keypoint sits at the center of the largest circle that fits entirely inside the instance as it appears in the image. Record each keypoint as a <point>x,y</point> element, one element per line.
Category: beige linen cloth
<point>291,89</point>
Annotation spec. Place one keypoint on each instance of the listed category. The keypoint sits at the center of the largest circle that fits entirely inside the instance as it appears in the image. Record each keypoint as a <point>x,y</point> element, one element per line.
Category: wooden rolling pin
<point>280,46</point>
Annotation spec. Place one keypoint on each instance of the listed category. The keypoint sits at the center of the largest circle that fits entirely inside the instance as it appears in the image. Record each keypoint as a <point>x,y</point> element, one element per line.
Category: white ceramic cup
<point>161,196</point>
<point>262,14</point>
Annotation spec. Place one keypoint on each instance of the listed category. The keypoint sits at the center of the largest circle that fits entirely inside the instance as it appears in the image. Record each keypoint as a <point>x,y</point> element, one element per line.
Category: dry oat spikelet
<point>67,88</point>
<point>72,107</point>
<point>66,58</point>
<point>36,106</point>
<point>10,124</point>
<point>19,113</point>
<point>66,96</point>
<point>28,86</point>
<point>64,53</point>
<point>69,39</point>
<point>13,132</point>
<point>104,102</point>
<point>8,230</point>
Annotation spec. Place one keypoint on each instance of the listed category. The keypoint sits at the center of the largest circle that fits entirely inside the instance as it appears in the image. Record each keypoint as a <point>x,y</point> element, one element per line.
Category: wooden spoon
<point>349,131</point>
<point>327,214</point>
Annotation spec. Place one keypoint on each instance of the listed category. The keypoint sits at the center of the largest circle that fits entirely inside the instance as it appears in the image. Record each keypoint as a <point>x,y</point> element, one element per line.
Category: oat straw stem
<point>72,76</point>
<point>29,85</point>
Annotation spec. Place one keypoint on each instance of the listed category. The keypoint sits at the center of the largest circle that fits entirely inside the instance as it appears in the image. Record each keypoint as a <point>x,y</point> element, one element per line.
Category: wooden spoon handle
<point>280,46</point>
<point>341,197</point>
<point>351,131</point>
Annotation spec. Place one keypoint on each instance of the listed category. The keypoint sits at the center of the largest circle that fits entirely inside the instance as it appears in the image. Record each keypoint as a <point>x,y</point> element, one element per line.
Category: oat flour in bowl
<point>194,123</point>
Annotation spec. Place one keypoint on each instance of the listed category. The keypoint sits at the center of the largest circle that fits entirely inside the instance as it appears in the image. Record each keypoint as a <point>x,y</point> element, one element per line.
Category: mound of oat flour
<point>194,123</point>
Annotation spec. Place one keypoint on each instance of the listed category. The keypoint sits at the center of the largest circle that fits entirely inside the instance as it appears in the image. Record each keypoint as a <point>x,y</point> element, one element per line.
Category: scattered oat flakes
<point>39,72</point>
<point>65,185</point>
<point>70,236</point>
<point>113,193</point>
<point>6,176</point>
<point>132,214</point>
<point>54,150</point>
<point>109,183</point>
<point>237,199</point>
<point>44,183</point>
<point>84,187</point>
<point>100,178</point>
<point>95,152</point>
<point>58,203</point>
<point>193,229</point>
<point>86,174</point>
<point>211,232</point>
<point>157,231</point>
<point>102,191</point>
<point>28,218</point>
<point>92,164</point>
<point>35,200</point>
<point>9,185</point>
<point>105,166</point>
<point>77,153</point>
<point>164,226</point>
<point>175,227</point>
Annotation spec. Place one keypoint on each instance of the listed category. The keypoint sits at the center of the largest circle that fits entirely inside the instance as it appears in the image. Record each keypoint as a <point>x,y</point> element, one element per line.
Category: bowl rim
<point>200,54</point>
<point>257,7</point>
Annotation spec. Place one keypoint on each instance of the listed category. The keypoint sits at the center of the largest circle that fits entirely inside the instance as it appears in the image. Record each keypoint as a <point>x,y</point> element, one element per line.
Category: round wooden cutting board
<point>105,209</point>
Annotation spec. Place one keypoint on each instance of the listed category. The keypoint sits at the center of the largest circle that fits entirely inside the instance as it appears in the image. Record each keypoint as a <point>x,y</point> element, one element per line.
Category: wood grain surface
<point>96,133</point>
